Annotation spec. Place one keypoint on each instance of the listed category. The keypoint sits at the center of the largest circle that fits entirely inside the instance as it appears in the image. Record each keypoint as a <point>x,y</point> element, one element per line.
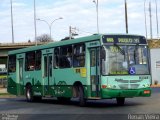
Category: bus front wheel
<point>120,101</point>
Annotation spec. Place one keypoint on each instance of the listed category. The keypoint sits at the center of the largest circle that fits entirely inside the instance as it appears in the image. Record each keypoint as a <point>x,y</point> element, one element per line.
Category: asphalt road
<point>95,109</point>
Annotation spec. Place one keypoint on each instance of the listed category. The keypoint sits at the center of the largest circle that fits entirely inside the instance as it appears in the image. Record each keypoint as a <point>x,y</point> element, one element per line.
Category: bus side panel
<point>65,78</point>
<point>34,78</point>
<point>37,83</point>
<point>12,85</point>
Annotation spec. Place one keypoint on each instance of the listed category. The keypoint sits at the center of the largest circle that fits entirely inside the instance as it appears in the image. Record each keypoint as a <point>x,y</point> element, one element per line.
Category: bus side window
<point>38,60</point>
<point>66,57</point>
<point>56,58</point>
<point>12,64</point>
<point>79,56</point>
<point>30,61</point>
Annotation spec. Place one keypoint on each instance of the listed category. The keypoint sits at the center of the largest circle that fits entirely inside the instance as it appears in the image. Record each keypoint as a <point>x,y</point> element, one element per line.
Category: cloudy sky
<point>76,13</point>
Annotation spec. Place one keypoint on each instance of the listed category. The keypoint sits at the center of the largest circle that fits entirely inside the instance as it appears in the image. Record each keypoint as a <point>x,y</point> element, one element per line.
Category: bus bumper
<point>129,93</point>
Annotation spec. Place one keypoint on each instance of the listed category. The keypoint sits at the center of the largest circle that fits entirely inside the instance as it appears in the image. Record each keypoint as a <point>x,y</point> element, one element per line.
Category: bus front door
<point>94,72</point>
<point>20,82</point>
<point>47,73</point>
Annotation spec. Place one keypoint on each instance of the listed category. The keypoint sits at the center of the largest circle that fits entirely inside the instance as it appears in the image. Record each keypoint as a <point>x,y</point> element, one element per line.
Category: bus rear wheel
<point>63,99</point>
<point>29,95</point>
<point>120,101</point>
<point>82,100</point>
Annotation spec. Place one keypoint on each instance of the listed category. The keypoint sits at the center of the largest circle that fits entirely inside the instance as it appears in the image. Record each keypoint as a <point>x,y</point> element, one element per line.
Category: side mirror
<point>103,54</point>
<point>103,67</point>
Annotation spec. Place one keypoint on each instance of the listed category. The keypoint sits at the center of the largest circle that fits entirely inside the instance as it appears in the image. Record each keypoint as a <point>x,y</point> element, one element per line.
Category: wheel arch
<point>75,88</point>
<point>28,84</point>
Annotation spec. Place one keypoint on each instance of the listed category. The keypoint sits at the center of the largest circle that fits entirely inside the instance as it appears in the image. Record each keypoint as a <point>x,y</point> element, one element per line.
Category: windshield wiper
<point>120,49</point>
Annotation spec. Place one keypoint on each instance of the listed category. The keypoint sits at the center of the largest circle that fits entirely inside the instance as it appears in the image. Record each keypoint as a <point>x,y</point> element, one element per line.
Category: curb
<point>155,86</point>
<point>7,96</point>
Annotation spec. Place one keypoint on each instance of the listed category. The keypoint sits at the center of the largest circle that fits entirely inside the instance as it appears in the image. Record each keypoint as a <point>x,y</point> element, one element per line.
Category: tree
<point>44,38</point>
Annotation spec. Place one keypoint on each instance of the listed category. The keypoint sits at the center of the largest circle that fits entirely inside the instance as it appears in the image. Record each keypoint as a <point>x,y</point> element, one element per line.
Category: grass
<point>4,94</point>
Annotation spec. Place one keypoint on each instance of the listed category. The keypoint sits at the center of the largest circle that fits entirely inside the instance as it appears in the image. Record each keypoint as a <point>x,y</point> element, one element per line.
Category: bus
<point>100,66</point>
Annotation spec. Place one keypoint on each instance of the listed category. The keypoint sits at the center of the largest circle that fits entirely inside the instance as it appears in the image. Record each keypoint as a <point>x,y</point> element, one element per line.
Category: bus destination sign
<point>124,39</point>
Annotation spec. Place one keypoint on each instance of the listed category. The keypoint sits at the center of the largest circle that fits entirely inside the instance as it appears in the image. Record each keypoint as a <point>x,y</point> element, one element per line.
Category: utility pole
<point>12,22</point>
<point>145,18</point>
<point>150,15</point>
<point>126,17</point>
<point>35,25</point>
<point>72,32</point>
<point>157,19</point>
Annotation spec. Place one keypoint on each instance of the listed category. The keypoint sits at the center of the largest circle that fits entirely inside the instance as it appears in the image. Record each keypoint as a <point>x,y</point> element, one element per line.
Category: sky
<point>80,14</point>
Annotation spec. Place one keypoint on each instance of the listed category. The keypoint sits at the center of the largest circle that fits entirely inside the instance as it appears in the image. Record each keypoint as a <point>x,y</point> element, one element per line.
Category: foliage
<point>44,38</point>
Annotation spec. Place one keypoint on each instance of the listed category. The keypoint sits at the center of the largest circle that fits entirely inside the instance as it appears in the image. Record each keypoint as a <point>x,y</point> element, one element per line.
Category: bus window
<point>69,56</point>
<point>50,66</point>
<point>45,67</point>
<point>30,61</point>
<point>79,55</point>
<point>56,58</point>
<point>66,57</point>
<point>12,64</point>
<point>93,58</point>
<point>38,60</point>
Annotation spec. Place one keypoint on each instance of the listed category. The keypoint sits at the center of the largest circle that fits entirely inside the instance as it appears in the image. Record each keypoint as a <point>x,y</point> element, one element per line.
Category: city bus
<point>100,66</point>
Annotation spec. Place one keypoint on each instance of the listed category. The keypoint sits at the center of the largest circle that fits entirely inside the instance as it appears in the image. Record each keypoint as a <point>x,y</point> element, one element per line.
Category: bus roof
<point>64,42</point>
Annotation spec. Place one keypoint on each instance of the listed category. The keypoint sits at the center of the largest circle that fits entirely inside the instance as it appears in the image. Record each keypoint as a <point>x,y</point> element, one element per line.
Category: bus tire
<point>37,98</point>
<point>63,99</point>
<point>82,100</point>
<point>29,94</point>
<point>120,101</point>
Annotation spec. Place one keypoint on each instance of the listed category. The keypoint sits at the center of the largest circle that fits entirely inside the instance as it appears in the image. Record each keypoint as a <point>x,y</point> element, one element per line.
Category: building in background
<point>155,60</point>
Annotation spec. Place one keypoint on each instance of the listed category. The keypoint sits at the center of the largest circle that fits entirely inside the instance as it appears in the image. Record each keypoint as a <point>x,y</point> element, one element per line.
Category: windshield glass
<point>127,60</point>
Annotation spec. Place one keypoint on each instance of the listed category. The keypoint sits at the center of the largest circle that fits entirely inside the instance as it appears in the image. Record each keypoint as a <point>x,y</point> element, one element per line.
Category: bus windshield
<point>125,60</point>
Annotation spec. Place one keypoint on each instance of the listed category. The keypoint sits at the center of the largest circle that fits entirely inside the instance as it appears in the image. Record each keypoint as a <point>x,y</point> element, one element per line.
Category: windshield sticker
<point>132,70</point>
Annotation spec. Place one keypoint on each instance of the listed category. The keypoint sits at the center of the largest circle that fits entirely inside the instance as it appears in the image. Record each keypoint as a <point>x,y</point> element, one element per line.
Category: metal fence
<point>3,82</point>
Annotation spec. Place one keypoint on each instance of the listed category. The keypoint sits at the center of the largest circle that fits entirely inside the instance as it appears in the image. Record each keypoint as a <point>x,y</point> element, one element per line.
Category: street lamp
<point>126,16</point>
<point>157,19</point>
<point>12,22</point>
<point>150,15</point>
<point>96,3</point>
<point>50,24</point>
<point>145,17</point>
<point>35,25</point>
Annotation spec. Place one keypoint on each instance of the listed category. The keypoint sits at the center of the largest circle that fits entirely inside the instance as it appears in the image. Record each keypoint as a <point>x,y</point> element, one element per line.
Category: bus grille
<point>128,86</point>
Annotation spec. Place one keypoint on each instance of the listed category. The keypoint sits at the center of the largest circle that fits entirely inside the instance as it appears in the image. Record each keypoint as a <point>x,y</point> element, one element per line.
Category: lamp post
<point>12,22</point>
<point>157,19</point>
<point>35,25</point>
<point>150,15</point>
<point>145,18</point>
<point>50,24</point>
<point>96,3</point>
<point>126,16</point>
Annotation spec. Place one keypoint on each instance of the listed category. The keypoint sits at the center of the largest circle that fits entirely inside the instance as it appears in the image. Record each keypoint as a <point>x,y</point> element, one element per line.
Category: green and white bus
<point>100,66</point>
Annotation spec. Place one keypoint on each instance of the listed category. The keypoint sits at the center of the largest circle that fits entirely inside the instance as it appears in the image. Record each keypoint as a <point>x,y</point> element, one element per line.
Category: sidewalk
<point>3,90</point>
<point>155,86</point>
<point>5,94</point>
